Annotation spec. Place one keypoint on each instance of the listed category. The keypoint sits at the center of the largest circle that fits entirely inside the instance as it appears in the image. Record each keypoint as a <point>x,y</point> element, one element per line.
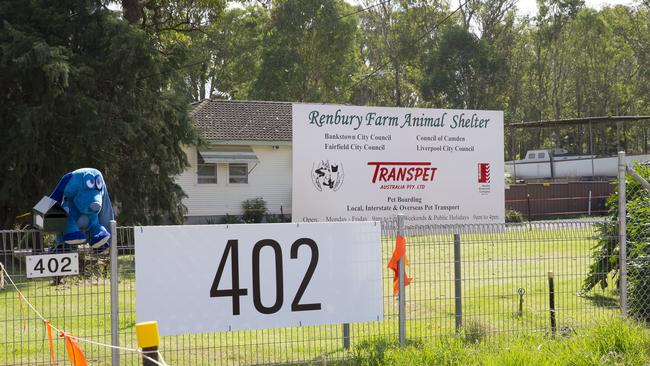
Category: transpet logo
<point>402,172</point>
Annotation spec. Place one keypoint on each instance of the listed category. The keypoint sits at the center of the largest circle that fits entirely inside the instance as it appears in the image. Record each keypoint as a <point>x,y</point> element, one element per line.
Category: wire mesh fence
<point>503,281</point>
<point>637,224</point>
<point>79,304</point>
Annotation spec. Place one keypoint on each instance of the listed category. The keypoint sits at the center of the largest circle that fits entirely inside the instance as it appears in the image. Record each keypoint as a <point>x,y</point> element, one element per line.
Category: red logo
<point>484,172</point>
<point>402,171</point>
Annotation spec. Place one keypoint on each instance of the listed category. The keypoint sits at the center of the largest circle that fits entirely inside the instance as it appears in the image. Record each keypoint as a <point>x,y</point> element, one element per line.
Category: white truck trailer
<point>556,163</point>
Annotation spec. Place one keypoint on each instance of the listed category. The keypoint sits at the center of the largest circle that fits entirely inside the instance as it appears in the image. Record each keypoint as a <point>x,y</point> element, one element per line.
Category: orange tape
<point>75,354</point>
<point>398,253</point>
<point>49,337</point>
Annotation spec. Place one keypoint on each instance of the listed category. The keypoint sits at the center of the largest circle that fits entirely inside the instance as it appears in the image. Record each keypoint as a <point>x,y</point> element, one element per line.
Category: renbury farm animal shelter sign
<point>211,278</point>
<point>437,166</point>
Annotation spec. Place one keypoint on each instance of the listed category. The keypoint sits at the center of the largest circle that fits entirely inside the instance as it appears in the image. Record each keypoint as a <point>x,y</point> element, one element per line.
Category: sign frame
<point>360,163</point>
<point>64,264</point>
<point>212,278</point>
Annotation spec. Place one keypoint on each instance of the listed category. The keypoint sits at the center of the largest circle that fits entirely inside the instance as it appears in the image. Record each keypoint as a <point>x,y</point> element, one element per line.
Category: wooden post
<point>148,340</point>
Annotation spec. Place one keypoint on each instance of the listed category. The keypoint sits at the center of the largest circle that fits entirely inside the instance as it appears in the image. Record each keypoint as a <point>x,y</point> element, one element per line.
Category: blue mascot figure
<point>84,196</point>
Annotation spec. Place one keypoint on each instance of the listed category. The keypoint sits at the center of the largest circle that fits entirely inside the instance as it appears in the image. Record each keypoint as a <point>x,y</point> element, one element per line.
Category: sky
<point>525,7</point>
<point>529,7</point>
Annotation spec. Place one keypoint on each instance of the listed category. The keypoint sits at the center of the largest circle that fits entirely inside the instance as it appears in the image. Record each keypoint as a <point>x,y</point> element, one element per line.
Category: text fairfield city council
<point>459,120</point>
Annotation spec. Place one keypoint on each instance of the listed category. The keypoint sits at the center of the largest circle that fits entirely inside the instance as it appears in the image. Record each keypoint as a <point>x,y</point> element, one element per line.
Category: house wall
<point>270,179</point>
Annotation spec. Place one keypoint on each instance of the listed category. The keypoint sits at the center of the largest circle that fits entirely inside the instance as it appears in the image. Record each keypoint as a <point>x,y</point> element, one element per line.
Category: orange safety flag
<point>75,354</point>
<point>399,252</point>
<point>49,336</point>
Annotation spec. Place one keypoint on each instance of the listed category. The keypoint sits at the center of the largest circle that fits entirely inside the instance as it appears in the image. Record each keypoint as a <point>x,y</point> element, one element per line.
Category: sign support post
<point>458,283</point>
<point>622,231</point>
<point>115,352</point>
<point>346,335</point>
<point>402,294</point>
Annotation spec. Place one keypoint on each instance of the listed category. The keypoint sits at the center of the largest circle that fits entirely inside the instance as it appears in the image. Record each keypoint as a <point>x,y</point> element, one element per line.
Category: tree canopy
<point>82,87</point>
<point>309,53</point>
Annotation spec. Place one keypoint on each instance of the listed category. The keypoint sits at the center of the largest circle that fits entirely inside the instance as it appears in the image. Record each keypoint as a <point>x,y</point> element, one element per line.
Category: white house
<point>248,156</point>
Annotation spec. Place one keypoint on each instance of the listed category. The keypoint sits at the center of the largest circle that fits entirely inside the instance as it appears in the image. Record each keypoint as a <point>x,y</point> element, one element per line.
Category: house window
<point>238,173</point>
<point>206,174</point>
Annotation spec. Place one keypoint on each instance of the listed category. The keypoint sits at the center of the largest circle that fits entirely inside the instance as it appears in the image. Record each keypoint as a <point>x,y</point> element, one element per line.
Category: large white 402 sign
<point>210,278</point>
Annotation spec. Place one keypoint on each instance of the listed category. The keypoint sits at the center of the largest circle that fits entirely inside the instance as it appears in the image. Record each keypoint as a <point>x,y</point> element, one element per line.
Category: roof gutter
<point>249,142</point>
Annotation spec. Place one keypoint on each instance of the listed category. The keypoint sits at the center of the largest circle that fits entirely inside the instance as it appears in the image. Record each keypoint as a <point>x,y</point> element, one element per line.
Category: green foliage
<point>573,62</point>
<point>277,218</point>
<point>372,352</point>
<point>473,332</point>
<point>569,61</point>
<point>228,51</point>
<point>81,87</point>
<point>606,253</point>
<point>309,52</point>
<point>613,343</point>
<point>514,216</point>
<point>231,219</point>
<point>254,210</point>
<point>211,220</point>
<point>464,72</point>
<point>393,42</point>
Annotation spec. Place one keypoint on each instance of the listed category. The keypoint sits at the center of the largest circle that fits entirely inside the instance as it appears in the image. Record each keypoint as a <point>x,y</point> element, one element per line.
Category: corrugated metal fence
<point>499,271</point>
<point>559,200</point>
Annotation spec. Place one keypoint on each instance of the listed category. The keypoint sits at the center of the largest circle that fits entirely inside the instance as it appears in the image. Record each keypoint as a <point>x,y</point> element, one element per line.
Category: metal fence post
<point>346,335</point>
<point>458,290</point>
<point>551,299</point>
<point>622,231</point>
<point>402,294</point>
<point>115,353</point>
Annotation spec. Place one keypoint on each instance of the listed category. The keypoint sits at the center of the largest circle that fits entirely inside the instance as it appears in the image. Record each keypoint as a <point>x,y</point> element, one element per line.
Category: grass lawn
<point>611,342</point>
<point>495,265</point>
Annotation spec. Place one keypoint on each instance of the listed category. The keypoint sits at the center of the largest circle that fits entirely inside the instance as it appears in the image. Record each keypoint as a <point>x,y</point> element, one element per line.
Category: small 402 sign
<point>52,265</point>
<point>211,278</point>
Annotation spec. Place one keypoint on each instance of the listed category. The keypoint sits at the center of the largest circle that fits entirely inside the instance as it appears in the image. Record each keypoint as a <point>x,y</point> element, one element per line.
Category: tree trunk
<point>398,89</point>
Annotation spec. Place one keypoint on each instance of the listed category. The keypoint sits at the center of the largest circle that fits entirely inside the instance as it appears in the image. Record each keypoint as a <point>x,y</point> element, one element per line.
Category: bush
<point>473,332</point>
<point>211,220</point>
<point>514,216</point>
<point>254,210</point>
<point>231,219</point>
<point>605,253</point>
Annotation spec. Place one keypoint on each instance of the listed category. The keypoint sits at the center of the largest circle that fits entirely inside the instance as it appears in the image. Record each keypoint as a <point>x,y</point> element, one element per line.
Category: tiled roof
<point>228,120</point>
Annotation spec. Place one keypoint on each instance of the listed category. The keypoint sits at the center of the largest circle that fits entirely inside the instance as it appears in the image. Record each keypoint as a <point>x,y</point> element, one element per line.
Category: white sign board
<point>210,278</point>
<point>367,163</point>
<point>52,265</point>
